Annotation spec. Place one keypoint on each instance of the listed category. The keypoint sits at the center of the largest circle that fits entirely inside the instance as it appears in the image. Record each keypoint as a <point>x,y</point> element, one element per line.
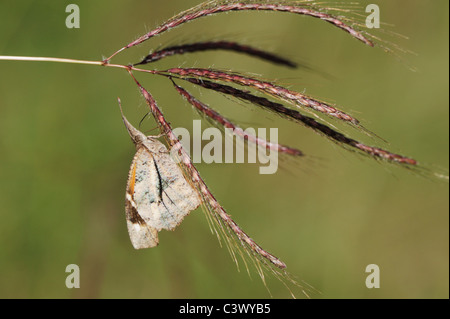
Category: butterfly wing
<point>158,195</point>
<point>141,234</point>
<point>178,197</point>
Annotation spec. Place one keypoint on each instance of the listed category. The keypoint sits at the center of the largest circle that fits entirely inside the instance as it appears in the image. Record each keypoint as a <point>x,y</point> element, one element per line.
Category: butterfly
<point>157,195</point>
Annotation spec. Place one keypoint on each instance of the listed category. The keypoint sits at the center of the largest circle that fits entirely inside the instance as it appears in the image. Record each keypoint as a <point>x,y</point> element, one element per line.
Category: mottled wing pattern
<point>160,193</point>
<point>141,234</point>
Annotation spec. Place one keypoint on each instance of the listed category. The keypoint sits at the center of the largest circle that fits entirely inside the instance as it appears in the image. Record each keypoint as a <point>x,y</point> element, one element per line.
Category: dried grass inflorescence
<point>266,94</point>
<point>226,229</point>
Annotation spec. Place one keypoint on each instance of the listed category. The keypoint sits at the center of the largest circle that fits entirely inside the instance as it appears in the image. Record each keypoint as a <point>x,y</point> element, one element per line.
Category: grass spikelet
<point>216,45</point>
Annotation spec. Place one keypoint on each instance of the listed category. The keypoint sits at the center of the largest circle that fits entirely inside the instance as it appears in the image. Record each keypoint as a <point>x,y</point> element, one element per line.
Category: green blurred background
<point>65,156</point>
